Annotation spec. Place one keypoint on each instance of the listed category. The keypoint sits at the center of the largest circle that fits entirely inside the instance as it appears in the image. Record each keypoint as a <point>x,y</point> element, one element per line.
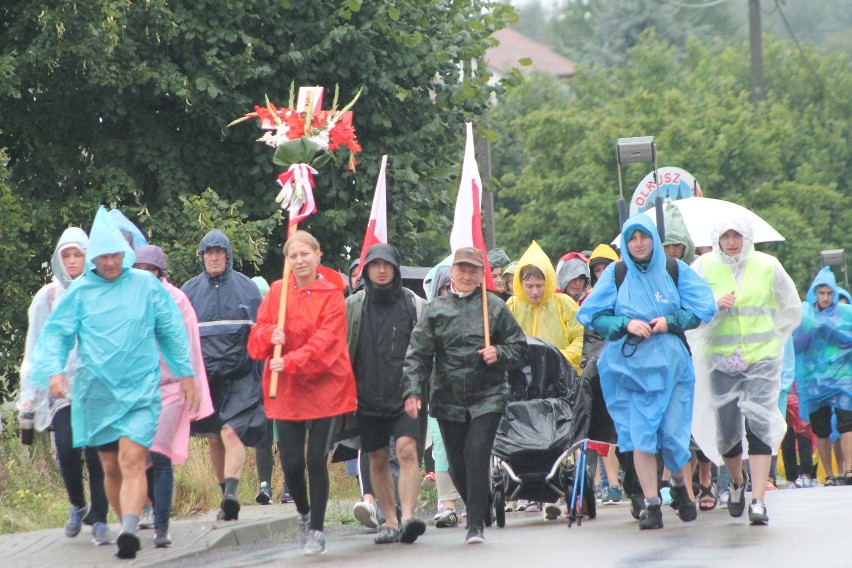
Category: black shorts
<point>376,431</point>
<point>821,421</point>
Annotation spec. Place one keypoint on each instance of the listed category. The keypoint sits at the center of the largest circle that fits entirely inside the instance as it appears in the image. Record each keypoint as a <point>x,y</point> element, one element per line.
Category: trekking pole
<point>282,310</point>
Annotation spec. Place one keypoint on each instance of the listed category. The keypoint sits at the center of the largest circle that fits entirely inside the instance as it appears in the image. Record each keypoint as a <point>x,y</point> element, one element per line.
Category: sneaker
<point>264,494</point>
<point>651,517</point>
<point>475,536</point>
<point>411,529</point>
<point>552,512</point>
<point>387,535</point>
<point>446,518</point>
<point>520,505</point>
<point>100,534</point>
<point>724,496</point>
<point>428,480</point>
<point>127,545</point>
<point>304,522</point>
<point>637,505</point>
<point>315,543</point>
<point>666,495</point>
<point>366,514</point>
<point>162,538</point>
<point>757,513</point>
<point>146,517</point>
<point>601,493</point>
<point>533,507</point>
<point>230,508</point>
<point>220,515</point>
<point>75,520</point>
<point>680,502</point>
<point>510,506</point>
<point>802,481</point>
<point>286,497</point>
<point>736,500</point>
<point>613,495</point>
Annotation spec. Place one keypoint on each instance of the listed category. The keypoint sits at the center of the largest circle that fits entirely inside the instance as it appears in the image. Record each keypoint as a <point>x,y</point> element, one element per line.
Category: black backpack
<point>671,268</point>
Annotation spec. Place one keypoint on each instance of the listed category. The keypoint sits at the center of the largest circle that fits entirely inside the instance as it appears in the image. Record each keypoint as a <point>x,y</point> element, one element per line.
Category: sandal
<point>829,481</point>
<point>847,477</point>
<point>706,498</point>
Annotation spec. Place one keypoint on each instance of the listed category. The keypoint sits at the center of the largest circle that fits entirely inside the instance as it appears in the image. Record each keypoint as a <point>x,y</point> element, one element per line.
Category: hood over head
<point>439,280</point>
<point>350,288</point>
<point>262,285</point>
<point>389,254</point>
<point>153,255</point>
<point>571,266</point>
<point>677,233</point>
<point>844,293</point>
<point>497,258</point>
<point>106,238</point>
<point>740,224</point>
<point>640,222</point>
<point>603,254</point>
<point>72,237</point>
<point>215,238</point>
<point>824,277</point>
<point>535,256</point>
<point>125,225</point>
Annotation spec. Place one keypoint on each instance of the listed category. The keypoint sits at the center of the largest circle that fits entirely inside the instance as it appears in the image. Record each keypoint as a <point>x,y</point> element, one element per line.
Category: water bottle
<point>27,427</point>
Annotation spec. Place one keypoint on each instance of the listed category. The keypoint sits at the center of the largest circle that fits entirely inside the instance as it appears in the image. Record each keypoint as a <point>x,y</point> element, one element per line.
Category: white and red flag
<point>377,228</point>
<point>467,221</point>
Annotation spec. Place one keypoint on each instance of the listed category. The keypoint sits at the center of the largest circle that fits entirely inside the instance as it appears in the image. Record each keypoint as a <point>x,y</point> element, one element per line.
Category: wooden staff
<point>282,310</point>
<point>486,325</point>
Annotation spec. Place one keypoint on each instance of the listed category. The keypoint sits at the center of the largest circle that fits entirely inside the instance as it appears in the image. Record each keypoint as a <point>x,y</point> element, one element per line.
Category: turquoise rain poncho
<point>125,225</point>
<point>823,345</point>
<point>649,390</point>
<point>117,326</point>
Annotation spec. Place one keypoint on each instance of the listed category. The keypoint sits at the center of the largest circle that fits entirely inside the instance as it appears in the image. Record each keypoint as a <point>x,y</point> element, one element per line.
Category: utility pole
<point>758,88</point>
<point>483,152</point>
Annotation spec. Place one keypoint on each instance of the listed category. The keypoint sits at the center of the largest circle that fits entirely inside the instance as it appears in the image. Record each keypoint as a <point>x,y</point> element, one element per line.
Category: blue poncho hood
<point>126,225</point>
<point>106,238</point>
<point>824,277</point>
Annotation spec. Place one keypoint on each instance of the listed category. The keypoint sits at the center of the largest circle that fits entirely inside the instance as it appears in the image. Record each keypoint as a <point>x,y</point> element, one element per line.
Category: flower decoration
<point>305,141</point>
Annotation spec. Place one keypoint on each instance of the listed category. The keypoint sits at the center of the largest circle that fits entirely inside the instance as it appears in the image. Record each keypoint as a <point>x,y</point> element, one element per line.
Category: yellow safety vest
<point>749,325</point>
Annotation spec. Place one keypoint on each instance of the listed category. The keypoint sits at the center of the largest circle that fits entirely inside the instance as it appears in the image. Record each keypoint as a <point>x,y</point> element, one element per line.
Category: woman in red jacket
<point>315,381</point>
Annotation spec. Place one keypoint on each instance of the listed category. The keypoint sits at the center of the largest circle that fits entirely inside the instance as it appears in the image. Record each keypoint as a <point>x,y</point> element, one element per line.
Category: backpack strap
<point>621,271</point>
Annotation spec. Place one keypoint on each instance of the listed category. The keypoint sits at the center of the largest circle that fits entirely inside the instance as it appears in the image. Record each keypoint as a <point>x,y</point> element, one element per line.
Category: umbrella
<point>701,213</point>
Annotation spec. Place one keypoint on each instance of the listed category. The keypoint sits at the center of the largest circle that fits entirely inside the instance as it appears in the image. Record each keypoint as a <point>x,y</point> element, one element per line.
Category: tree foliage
<point>787,159</point>
<point>125,103</point>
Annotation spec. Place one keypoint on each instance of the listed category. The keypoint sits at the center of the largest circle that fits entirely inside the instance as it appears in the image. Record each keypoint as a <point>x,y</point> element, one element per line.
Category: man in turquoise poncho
<point>117,316</point>
<point>824,369</point>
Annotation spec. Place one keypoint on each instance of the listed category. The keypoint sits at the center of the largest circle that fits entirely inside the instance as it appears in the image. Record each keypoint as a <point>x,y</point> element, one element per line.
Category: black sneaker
<point>264,494</point>
<point>128,545</point>
<point>637,505</point>
<point>411,529</point>
<point>651,518</point>
<point>387,535</point>
<point>475,536</point>
<point>680,502</point>
<point>736,500</point>
<point>230,508</point>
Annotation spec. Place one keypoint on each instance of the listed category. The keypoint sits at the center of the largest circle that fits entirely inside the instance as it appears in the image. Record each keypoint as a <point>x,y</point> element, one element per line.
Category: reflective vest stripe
<point>224,322</point>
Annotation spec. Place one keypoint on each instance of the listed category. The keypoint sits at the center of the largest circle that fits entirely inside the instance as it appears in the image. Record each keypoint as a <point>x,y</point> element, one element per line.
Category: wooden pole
<point>486,325</point>
<point>282,311</point>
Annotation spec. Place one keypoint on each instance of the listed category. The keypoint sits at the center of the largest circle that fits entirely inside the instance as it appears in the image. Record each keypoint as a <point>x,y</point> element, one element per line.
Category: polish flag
<point>377,228</point>
<point>467,222</point>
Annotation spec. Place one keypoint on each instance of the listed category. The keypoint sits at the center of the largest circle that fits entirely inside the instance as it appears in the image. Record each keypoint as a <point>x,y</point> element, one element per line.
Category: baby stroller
<point>544,425</point>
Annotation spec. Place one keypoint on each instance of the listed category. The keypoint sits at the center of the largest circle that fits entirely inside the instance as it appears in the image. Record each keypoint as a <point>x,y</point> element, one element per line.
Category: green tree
<point>125,104</point>
<point>788,159</point>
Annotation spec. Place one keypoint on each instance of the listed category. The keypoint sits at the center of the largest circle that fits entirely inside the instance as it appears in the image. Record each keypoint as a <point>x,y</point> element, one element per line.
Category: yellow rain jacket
<point>554,319</point>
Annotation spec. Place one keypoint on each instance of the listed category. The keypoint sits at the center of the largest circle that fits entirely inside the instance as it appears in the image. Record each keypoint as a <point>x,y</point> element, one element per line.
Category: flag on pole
<point>467,221</point>
<point>377,228</point>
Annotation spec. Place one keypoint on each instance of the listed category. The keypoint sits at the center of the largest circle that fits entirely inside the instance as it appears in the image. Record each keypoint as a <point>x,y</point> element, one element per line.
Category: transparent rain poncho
<point>731,386</point>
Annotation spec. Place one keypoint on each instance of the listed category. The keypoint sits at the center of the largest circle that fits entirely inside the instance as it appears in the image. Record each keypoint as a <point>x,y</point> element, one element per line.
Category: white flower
<point>274,140</point>
<point>321,139</point>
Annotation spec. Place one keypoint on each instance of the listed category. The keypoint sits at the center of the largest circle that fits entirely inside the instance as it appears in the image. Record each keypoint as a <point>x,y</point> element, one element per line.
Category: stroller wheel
<point>499,506</point>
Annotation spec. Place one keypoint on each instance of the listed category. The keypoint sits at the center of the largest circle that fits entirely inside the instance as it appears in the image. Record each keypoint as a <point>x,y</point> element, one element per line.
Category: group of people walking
<point>125,365</point>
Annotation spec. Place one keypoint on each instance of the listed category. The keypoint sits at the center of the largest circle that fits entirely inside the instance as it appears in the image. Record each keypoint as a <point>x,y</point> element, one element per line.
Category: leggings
<point>263,454</point>
<point>161,484</point>
<point>71,468</point>
<point>291,446</point>
<point>468,445</point>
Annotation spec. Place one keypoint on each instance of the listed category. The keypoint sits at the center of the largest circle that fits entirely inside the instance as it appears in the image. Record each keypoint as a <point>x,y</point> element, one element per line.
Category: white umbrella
<point>701,213</point>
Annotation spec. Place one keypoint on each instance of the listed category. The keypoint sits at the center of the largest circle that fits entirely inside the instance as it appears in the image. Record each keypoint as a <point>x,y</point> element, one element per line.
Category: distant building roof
<point>515,46</point>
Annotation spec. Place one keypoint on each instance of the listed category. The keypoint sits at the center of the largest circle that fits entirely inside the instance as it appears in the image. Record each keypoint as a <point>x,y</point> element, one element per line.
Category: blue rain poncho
<point>648,393</point>
<point>125,225</point>
<point>823,345</point>
<point>117,326</point>
<point>43,303</point>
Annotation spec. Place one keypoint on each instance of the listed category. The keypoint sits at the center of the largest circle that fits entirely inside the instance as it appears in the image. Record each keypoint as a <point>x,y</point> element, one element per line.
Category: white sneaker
<point>366,514</point>
<point>757,513</point>
<point>146,517</point>
<point>315,543</point>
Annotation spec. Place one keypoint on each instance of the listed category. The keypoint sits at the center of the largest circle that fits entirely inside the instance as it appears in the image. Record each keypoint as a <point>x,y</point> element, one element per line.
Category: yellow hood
<point>535,256</point>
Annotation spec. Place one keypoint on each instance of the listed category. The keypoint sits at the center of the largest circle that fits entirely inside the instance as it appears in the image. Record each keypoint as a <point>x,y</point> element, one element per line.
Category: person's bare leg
<point>760,466</point>
<point>409,475</point>
<point>380,475</point>
<point>688,470</point>
<point>824,451</point>
<point>705,474</point>
<point>235,453</point>
<point>646,471</point>
<point>112,479</point>
<point>846,446</point>
<point>134,484</point>
<point>611,466</point>
<point>217,457</point>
